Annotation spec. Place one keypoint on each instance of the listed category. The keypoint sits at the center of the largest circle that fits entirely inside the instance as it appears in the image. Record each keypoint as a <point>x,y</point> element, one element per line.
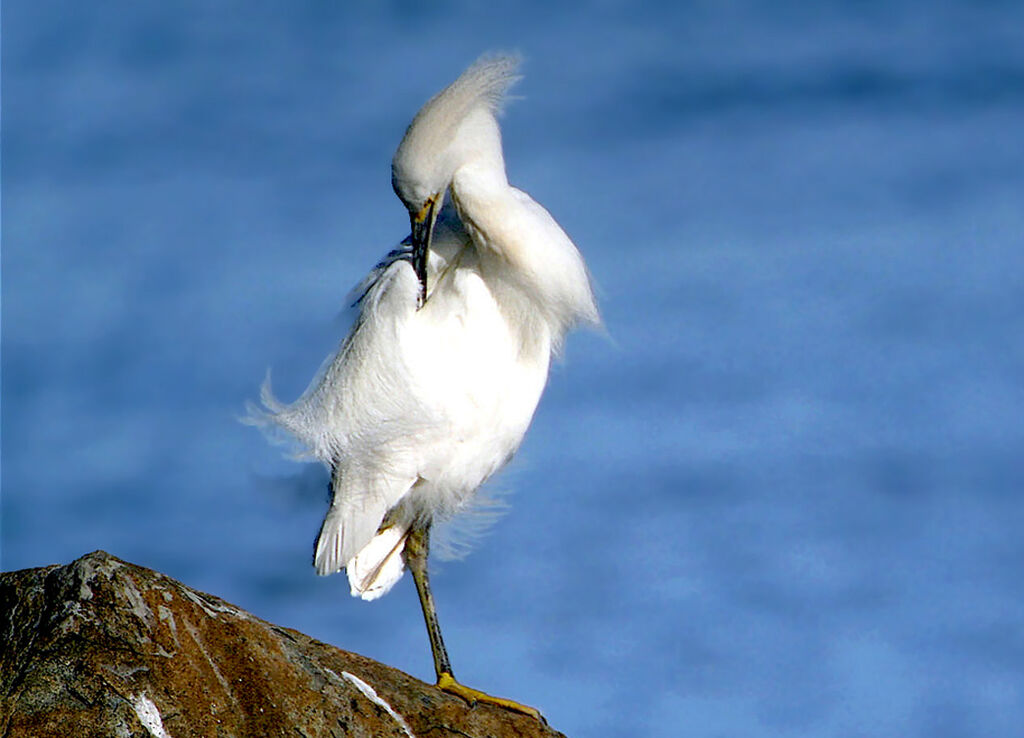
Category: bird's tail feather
<point>375,567</point>
<point>345,531</point>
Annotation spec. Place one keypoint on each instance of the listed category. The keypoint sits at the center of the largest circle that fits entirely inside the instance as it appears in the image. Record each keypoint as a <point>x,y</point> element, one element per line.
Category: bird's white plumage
<point>420,405</point>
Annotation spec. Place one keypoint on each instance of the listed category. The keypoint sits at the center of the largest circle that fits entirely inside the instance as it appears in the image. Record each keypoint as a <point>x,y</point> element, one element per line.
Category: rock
<point>101,647</point>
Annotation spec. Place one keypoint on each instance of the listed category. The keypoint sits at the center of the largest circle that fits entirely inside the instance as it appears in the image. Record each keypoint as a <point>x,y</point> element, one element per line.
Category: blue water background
<point>783,496</point>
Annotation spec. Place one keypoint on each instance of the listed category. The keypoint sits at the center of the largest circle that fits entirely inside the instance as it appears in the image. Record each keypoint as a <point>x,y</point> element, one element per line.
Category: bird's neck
<point>487,206</point>
<point>530,265</point>
<point>483,200</point>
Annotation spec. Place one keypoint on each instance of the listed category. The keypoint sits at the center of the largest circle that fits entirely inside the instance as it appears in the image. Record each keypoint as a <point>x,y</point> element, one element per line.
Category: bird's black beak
<point>422,232</point>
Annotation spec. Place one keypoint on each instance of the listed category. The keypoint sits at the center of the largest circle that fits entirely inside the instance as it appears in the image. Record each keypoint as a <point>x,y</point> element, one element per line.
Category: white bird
<point>436,384</point>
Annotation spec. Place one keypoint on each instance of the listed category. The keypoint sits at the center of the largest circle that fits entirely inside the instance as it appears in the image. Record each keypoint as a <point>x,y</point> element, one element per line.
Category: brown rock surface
<point>101,647</point>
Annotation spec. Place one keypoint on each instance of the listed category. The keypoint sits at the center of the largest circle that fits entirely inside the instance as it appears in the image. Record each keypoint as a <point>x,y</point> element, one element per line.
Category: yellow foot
<point>447,683</point>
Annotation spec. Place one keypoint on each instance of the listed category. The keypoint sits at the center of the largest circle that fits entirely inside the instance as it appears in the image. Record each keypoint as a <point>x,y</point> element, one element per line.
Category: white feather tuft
<point>379,565</point>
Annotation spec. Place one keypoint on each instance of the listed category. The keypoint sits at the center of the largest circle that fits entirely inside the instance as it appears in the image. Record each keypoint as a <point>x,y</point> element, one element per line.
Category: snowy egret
<point>436,384</point>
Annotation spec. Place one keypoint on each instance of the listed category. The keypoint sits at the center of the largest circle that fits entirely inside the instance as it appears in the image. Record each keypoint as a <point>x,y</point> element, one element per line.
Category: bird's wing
<point>449,239</point>
<point>386,423</point>
<point>402,252</point>
<point>367,414</point>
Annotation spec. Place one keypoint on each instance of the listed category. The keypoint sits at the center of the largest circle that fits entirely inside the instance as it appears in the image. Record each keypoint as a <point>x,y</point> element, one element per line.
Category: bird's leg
<point>417,547</point>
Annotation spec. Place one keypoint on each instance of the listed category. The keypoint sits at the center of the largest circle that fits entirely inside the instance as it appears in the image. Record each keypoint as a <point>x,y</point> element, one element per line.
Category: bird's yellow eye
<point>422,214</point>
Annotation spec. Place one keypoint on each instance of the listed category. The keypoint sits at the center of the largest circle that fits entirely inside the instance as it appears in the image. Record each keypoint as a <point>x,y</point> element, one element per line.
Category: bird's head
<point>456,126</point>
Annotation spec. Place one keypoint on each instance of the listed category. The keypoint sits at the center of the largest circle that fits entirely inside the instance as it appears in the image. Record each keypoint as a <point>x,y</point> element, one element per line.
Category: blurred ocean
<point>783,497</point>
